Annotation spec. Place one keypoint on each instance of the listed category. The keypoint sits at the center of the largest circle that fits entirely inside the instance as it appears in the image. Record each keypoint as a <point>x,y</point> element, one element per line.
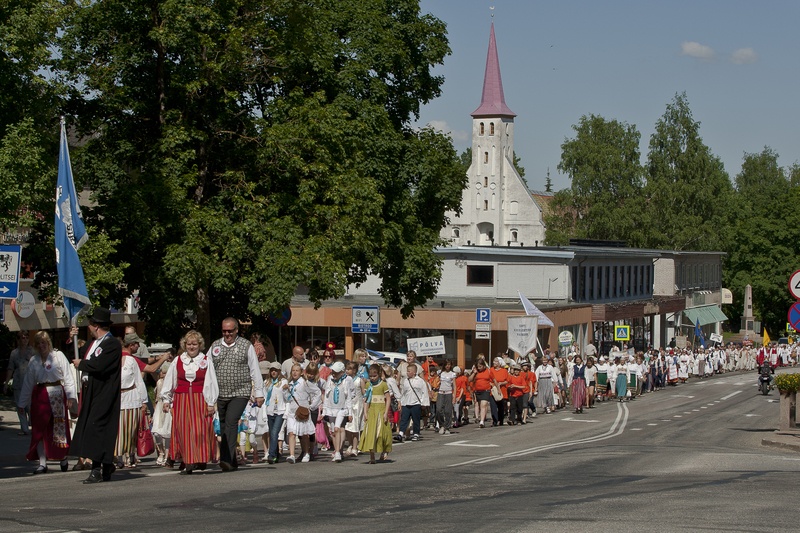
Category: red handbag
<point>145,445</point>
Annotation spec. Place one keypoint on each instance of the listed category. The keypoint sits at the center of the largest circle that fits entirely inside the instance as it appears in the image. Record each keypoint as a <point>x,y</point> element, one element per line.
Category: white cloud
<point>697,50</point>
<point>443,126</point>
<point>743,56</point>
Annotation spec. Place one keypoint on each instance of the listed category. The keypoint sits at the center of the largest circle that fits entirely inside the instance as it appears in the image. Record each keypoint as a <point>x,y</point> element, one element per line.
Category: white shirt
<point>447,379</point>
<point>131,378</point>
<point>330,404</point>
<point>301,392</point>
<point>414,391</point>
<point>54,368</point>
<point>252,365</point>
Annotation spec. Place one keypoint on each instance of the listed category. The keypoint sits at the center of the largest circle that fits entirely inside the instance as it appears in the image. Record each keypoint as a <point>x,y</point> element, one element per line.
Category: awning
<point>705,314</point>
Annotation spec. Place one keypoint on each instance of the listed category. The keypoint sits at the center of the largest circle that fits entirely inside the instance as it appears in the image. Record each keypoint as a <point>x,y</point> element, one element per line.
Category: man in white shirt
<point>298,358</point>
<point>413,397</point>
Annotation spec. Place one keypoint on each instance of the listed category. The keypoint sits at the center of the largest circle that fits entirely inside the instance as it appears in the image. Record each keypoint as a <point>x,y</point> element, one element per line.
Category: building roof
<point>493,100</point>
<point>543,199</point>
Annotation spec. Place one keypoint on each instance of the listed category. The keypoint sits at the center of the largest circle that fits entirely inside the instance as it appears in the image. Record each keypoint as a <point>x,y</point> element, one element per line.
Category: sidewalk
<point>790,443</point>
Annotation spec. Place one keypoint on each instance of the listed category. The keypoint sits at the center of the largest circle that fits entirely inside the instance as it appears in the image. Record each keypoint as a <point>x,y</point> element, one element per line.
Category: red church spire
<point>493,101</point>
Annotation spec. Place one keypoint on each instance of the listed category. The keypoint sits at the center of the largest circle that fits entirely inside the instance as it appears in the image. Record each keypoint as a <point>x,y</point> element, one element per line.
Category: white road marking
<point>677,416</point>
<point>751,414</point>
<point>464,443</point>
<point>570,419</point>
<point>687,412</point>
<point>703,407</point>
<point>695,410</point>
<point>616,429</point>
<point>682,396</point>
<point>636,429</point>
<point>731,395</point>
<point>652,424</point>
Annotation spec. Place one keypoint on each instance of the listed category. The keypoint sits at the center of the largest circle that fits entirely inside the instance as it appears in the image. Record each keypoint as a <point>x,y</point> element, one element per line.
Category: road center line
<point>731,395</point>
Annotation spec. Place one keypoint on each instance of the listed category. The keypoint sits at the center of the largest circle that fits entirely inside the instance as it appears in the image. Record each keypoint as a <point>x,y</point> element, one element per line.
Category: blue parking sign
<point>483,315</point>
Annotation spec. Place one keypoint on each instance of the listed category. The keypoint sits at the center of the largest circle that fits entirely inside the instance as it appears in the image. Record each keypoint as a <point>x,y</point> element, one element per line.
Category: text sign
<point>715,337</point>
<point>622,333</point>
<point>794,315</point>
<point>794,285</point>
<point>366,319</point>
<point>522,331</point>
<point>483,315</point>
<point>425,346</point>
<point>10,262</point>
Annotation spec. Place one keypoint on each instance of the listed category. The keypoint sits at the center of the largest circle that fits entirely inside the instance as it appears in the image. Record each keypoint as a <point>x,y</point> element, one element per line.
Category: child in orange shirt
<point>459,396</point>
<point>516,389</point>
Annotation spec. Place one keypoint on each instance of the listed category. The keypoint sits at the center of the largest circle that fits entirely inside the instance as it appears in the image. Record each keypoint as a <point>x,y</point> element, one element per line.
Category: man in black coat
<point>98,421</point>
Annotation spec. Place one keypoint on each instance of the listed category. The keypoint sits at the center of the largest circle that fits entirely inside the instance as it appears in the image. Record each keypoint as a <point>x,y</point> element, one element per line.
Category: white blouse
<point>274,398</point>
<point>131,377</point>
<point>190,366</point>
<point>54,368</point>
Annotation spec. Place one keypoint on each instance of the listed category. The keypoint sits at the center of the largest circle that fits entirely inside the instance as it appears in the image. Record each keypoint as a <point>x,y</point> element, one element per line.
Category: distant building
<point>496,206</point>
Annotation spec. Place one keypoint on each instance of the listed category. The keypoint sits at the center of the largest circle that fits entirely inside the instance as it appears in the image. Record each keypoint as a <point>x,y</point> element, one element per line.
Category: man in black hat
<point>98,420</point>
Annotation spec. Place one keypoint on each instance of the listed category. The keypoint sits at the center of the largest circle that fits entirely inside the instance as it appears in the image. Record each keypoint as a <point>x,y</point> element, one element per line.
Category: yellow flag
<point>766,340</point>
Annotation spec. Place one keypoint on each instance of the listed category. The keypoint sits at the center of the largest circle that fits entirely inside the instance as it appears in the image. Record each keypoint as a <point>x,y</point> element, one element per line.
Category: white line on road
<point>731,395</point>
<point>682,396</point>
<point>464,443</point>
<point>570,419</point>
<point>616,429</point>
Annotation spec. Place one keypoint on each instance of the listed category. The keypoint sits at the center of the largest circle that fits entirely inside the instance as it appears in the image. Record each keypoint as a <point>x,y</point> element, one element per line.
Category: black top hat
<point>101,315</point>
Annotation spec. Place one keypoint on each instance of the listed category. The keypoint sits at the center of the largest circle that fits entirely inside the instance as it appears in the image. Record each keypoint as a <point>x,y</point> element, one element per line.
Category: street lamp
<point>550,282</point>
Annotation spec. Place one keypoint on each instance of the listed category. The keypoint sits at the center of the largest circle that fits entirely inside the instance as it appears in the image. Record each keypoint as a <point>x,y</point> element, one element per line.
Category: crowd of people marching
<point>229,405</point>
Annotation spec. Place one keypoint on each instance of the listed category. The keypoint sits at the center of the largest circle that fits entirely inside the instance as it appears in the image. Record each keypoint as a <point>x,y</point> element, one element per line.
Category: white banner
<point>425,346</point>
<point>522,331</point>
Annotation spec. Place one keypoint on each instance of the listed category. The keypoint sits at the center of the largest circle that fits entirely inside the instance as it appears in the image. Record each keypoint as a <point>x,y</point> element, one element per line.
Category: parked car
<point>393,358</point>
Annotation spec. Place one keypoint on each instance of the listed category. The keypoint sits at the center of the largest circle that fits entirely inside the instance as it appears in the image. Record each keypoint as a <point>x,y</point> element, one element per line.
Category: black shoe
<point>64,465</point>
<point>186,471</point>
<point>94,477</point>
<point>200,466</point>
<point>108,469</point>
<point>41,469</point>
<point>225,466</point>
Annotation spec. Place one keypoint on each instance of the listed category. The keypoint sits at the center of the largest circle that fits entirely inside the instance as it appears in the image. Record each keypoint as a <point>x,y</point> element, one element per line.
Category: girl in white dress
<point>354,427</point>
<point>298,393</point>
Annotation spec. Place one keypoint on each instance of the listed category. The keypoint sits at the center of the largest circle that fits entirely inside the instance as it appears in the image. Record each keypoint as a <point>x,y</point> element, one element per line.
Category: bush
<point>787,382</point>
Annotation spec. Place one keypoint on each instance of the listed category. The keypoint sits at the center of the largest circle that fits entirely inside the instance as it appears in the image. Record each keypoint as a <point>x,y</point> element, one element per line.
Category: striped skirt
<point>193,439</point>
<point>578,393</point>
<point>602,382</point>
<point>128,432</point>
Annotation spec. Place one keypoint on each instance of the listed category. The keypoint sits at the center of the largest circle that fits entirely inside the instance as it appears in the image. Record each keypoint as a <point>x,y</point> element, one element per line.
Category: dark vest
<point>230,364</point>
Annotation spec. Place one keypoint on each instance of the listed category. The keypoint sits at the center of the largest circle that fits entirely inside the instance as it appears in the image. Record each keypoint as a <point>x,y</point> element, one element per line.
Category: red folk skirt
<point>193,439</point>
<point>49,422</point>
<point>578,393</point>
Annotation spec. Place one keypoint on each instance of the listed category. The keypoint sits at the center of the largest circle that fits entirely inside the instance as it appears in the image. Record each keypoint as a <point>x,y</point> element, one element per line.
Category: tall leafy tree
<point>688,190</point>
<point>764,238</point>
<point>604,200</point>
<point>244,150</point>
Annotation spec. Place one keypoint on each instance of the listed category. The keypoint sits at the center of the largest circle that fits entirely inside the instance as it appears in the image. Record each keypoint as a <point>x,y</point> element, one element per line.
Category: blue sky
<point>737,61</point>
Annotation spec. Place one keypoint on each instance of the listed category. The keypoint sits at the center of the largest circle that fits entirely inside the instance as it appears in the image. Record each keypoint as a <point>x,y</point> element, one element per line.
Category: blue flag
<point>70,234</point>
<point>698,333</point>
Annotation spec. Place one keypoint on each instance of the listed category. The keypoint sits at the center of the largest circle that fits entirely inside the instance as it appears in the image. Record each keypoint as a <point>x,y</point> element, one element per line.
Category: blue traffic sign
<point>794,315</point>
<point>10,261</point>
<point>483,315</point>
<point>622,333</point>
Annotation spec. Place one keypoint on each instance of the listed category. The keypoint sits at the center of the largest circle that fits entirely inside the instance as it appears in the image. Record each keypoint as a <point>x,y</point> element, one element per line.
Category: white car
<point>393,358</point>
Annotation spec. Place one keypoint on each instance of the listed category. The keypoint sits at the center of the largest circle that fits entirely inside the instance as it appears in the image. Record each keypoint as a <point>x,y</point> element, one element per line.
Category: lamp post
<point>549,283</point>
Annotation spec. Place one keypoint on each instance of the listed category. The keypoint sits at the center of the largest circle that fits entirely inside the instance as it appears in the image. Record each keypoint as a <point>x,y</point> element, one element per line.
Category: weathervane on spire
<point>491,8</point>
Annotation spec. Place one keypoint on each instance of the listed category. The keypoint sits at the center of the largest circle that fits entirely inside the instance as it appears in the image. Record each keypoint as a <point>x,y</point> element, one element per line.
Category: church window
<point>481,129</point>
<point>514,235</point>
<point>485,181</point>
<point>486,205</point>
<point>456,233</point>
<point>491,128</point>
<point>485,157</point>
<point>513,208</point>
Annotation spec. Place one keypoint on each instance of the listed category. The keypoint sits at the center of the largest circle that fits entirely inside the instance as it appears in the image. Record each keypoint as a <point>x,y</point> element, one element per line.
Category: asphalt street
<point>688,458</point>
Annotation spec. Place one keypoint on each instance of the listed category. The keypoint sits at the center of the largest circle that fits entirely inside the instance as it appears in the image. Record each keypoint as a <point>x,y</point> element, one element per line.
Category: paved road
<point>687,458</point>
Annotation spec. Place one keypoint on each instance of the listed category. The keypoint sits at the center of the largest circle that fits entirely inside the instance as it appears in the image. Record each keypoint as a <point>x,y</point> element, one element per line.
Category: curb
<point>782,445</point>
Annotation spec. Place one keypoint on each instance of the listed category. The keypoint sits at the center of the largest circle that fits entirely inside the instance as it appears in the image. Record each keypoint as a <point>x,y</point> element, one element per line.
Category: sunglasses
<point>228,331</point>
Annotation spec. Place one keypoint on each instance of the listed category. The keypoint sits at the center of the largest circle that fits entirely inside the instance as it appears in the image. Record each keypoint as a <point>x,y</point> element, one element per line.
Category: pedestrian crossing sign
<point>622,333</point>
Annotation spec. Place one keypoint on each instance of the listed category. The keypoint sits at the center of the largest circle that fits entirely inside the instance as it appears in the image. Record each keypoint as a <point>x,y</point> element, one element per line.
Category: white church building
<point>496,207</point>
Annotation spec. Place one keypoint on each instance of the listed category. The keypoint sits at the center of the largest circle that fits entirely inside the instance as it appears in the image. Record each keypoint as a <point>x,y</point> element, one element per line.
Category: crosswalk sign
<point>622,333</point>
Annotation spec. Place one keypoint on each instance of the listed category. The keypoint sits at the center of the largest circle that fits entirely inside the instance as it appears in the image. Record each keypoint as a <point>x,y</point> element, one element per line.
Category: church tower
<point>496,206</point>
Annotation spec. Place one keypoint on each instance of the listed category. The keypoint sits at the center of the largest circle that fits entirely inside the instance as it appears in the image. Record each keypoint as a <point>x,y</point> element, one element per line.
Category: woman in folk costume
<point>623,374</point>
<point>190,390</point>
<point>133,399</point>
<point>357,384</point>
<point>577,384</point>
<point>48,389</point>
<point>683,367</point>
<point>377,434</point>
<point>602,378</point>
<point>672,369</point>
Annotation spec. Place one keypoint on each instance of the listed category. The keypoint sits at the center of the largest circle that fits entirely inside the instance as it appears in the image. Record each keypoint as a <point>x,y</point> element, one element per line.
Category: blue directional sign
<point>366,319</point>
<point>10,261</point>
<point>483,315</point>
<point>794,315</point>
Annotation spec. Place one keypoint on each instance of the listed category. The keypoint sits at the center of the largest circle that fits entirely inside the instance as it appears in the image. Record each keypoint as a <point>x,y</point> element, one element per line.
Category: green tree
<point>253,148</point>
<point>688,190</point>
<point>604,200</point>
<point>764,238</point>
